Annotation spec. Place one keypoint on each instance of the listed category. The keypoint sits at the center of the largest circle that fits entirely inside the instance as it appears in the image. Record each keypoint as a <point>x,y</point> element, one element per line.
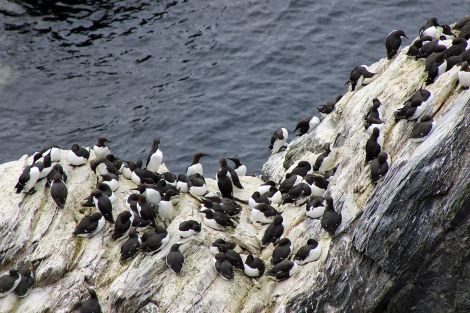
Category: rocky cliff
<point>402,245</point>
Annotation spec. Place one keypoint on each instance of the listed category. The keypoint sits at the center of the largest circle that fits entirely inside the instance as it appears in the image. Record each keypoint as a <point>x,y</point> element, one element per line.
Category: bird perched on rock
<point>131,246</point>
<point>197,185</point>
<point>154,241</point>
<point>372,146</point>
<point>217,220</point>
<point>53,150</point>
<point>196,167</point>
<point>278,140</point>
<point>283,270</point>
<point>56,169</point>
<point>26,283</point>
<point>175,258</point>
<point>231,173</point>
<point>9,282</point>
<point>289,182</point>
<point>232,256</point>
<point>92,304</point>
<point>220,245</point>
<point>27,180</point>
<point>378,167</point>
<point>155,157</point>
<point>360,76</point>
<point>263,213</point>
<point>422,128</point>
<point>189,228</point>
<point>330,220</point>
<point>78,155</point>
<point>329,106</point>
<point>90,225</point>
<point>101,150</point>
<point>123,224</point>
<point>308,253</point>
<point>430,28</point>
<point>302,169</point>
<point>464,75</point>
<point>415,106</point>
<point>306,125</point>
<point>223,267</point>
<point>315,207</point>
<point>373,117</point>
<point>282,251</point>
<point>224,183</point>
<point>393,42</point>
<point>274,232</point>
<point>326,160</point>
<point>59,191</point>
<point>103,205</point>
<point>253,267</point>
<point>240,168</point>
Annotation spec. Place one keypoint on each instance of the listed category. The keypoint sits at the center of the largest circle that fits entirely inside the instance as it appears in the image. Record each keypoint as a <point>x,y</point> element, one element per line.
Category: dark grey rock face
<point>408,250</point>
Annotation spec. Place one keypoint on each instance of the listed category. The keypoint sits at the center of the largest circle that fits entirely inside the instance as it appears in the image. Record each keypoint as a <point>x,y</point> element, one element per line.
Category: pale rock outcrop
<point>397,241</point>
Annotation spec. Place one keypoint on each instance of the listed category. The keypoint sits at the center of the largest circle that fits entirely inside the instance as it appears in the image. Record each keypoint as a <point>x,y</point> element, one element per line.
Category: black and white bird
<point>430,28</point>
<point>225,205</point>
<point>90,225</point>
<point>306,125</point>
<point>78,155</point>
<point>111,180</point>
<point>278,140</point>
<point>139,175</point>
<point>224,183</point>
<point>393,42</point>
<point>219,244</point>
<point>240,168</point>
<point>436,64</point>
<point>297,194</point>
<point>101,150</point>
<point>282,251</point>
<point>331,219</point>
<point>9,282</point>
<point>165,207</point>
<point>26,283</point>
<point>182,183</point>
<point>154,241</point>
<point>274,232</point>
<point>196,167</point>
<point>302,169</point>
<point>283,270</point>
<point>103,205</point>
<point>151,192</point>
<point>53,150</point>
<point>253,267</point>
<point>131,246</point>
<point>263,213</point>
<point>329,106</point>
<point>232,256</point>
<point>379,167</point>
<point>92,304</point>
<point>256,198</point>
<point>360,76</point>
<point>459,45</point>
<point>56,169</point>
<point>28,179</point>
<point>415,106</point>
<point>197,185</point>
<point>155,157</point>
<point>373,117</point>
<point>231,173</point>
<point>464,75</point>
<point>123,224</point>
<point>175,258</point>
<point>45,167</point>
<point>146,210</point>
<point>311,252</point>
<point>189,228</point>
<point>106,190</point>
<point>289,182</point>
<point>422,129</point>
<point>315,207</point>
<point>103,166</point>
<point>326,160</point>
<point>265,187</point>
<point>217,220</point>
<point>59,191</point>
<point>223,267</point>
<point>373,148</point>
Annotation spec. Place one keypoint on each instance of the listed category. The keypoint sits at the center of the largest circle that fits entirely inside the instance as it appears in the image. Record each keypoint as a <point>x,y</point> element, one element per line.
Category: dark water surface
<point>212,76</point>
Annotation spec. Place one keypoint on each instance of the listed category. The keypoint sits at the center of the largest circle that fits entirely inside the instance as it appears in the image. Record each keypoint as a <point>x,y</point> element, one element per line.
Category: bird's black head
<point>75,147</point>
<point>57,177</point>
<point>133,233</point>
<point>220,256</point>
<point>209,214</point>
<point>175,247</point>
<point>92,293</point>
<point>97,193</point>
<point>13,272</point>
<point>401,33</point>
<point>312,242</point>
<point>278,220</point>
<point>102,141</point>
<point>284,241</point>
<point>459,41</point>
<point>376,103</point>
<point>329,201</point>
<point>433,21</point>
<point>96,216</point>
<point>426,118</point>
<point>376,132</point>
<point>382,157</point>
<point>223,163</point>
<point>464,66</point>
